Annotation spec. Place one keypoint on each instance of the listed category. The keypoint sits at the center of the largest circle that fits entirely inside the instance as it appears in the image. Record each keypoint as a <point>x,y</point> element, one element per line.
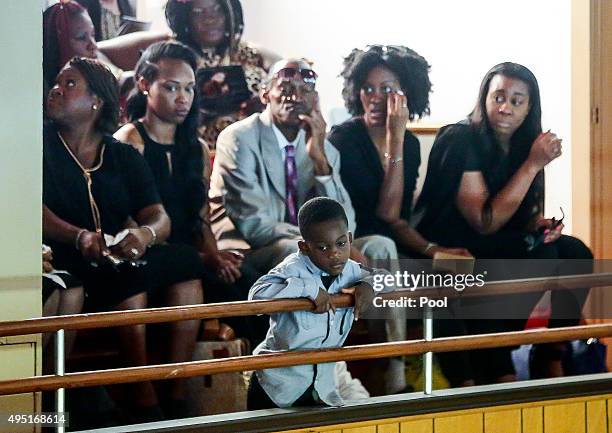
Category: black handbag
<point>222,89</point>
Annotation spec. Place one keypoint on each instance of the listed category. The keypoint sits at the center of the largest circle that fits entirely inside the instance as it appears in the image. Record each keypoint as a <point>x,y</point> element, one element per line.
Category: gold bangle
<point>78,238</point>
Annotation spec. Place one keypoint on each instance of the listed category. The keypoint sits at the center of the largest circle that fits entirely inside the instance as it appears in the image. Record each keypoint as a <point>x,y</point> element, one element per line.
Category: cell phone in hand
<point>536,239</point>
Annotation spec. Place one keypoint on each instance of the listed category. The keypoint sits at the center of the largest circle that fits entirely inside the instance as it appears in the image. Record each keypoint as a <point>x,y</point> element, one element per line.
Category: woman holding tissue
<point>104,220</point>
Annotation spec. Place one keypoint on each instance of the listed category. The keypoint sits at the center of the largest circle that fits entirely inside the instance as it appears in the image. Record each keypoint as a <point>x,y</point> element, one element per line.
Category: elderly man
<point>270,163</point>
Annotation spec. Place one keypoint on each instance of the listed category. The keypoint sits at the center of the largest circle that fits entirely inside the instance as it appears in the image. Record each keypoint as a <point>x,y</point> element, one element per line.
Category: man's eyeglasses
<point>308,76</point>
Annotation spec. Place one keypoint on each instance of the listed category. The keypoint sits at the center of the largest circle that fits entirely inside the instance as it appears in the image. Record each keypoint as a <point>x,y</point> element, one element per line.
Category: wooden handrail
<point>249,308</point>
<point>285,359</point>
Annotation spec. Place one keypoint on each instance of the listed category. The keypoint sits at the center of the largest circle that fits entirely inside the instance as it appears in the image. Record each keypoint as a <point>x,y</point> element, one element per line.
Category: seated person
<point>108,16</point>
<point>62,295</point>
<point>213,29</point>
<point>163,129</point>
<point>67,32</point>
<point>270,163</point>
<point>484,191</point>
<point>99,192</point>
<point>384,87</point>
<point>321,268</point>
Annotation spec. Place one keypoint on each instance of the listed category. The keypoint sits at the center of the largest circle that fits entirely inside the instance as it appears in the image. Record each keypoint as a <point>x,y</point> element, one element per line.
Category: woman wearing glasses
<point>105,222</point>
<point>485,191</point>
<point>384,87</point>
<point>163,113</point>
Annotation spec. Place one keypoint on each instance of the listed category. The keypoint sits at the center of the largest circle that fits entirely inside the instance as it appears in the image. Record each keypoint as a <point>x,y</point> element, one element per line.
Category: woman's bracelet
<point>393,160</point>
<point>153,235</point>
<point>78,238</point>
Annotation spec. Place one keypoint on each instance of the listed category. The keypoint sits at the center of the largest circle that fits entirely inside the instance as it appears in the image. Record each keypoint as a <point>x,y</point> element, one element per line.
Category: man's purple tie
<point>290,184</point>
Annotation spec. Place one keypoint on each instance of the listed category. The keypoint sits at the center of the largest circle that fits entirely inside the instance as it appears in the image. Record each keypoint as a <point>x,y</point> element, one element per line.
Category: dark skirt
<point>107,286</point>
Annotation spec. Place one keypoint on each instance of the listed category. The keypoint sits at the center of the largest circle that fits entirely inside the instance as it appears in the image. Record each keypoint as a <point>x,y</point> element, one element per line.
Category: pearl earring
<point>145,92</point>
<point>94,107</point>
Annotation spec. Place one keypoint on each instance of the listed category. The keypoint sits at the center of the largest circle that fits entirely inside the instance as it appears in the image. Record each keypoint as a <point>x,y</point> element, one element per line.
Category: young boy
<point>321,268</point>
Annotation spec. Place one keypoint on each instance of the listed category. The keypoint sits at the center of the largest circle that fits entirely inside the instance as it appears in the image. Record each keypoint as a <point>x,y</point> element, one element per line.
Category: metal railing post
<point>428,356</point>
<point>60,369</point>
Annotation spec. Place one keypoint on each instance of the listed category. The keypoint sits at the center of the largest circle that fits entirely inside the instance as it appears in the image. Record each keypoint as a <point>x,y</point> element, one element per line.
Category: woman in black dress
<point>485,191</point>
<point>104,220</point>
<point>384,87</point>
<point>163,110</point>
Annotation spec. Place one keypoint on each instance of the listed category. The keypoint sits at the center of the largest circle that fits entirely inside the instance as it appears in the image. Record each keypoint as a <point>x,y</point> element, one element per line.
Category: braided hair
<point>56,37</point>
<point>103,84</point>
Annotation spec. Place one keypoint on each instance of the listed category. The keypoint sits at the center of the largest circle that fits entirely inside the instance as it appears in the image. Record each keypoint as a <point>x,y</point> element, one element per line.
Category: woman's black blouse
<point>362,174</point>
<point>122,186</point>
<point>457,149</point>
<point>174,197</point>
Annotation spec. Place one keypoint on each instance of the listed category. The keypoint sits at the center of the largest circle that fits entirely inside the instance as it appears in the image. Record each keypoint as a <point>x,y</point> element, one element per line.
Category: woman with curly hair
<point>384,87</point>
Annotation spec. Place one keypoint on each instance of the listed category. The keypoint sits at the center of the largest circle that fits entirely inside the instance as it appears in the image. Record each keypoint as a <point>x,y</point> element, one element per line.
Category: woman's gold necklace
<point>95,212</point>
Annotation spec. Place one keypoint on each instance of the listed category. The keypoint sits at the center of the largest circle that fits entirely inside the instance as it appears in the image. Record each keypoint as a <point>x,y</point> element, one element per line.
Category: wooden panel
<point>470,423</point>
<point>533,419</point>
<point>596,416</point>
<point>609,415</point>
<point>388,428</point>
<point>565,418</point>
<point>419,426</point>
<point>369,429</point>
<point>505,421</point>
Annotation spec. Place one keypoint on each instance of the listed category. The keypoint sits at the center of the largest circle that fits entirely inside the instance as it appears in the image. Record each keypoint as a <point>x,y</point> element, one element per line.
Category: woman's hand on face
<point>92,246</point>
<point>545,149</point>
<point>552,234</point>
<point>397,118</point>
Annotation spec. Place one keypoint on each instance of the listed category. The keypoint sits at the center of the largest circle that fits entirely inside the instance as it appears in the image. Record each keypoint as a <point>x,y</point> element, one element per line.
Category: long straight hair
<point>520,142</point>
<point>188,155</point>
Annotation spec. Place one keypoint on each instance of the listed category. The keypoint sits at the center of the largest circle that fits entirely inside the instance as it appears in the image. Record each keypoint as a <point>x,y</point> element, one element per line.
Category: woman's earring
<point>94,107</point>
<point>145,92</point>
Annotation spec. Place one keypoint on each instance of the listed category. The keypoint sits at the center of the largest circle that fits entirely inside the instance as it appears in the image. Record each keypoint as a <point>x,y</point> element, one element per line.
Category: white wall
<point>460,39</point>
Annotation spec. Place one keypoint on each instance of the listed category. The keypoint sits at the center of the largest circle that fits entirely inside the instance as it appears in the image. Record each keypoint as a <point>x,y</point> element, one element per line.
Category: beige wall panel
<point>565,418</point>
<point>469,423</point>
<point>418,426</point>
<point>506,421</point>
<point>596,417</point>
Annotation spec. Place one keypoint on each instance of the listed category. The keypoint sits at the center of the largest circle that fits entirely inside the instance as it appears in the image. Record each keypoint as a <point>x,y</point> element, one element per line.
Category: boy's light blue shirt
<point>297,277</point>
